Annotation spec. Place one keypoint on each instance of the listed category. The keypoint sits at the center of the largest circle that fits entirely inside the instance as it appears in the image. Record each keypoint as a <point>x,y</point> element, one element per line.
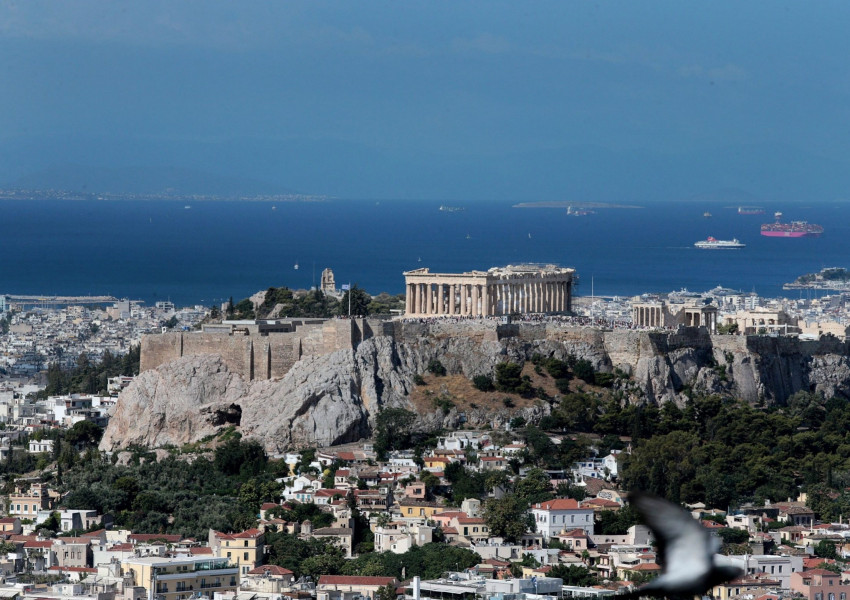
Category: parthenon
<point>497,291</point>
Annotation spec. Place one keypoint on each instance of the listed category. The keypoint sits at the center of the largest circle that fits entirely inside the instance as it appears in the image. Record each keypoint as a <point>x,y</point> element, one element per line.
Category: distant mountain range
<point>143,180</point>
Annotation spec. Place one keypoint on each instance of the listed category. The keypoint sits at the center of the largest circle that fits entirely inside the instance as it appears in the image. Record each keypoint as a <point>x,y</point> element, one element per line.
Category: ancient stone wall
<point>769,362</point>
<point>252,357</point>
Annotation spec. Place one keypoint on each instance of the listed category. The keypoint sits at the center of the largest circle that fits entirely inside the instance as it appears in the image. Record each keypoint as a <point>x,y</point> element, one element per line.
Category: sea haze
<point>158,250</point>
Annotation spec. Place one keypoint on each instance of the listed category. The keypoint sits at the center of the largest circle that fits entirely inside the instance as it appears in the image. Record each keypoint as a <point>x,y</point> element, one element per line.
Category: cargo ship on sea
<point>750,210</point>
<point>794,229</point>
<point>715,244</point>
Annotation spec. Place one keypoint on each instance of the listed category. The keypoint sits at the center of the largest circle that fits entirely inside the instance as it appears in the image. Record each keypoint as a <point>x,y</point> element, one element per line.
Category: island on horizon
<point>567,204</point>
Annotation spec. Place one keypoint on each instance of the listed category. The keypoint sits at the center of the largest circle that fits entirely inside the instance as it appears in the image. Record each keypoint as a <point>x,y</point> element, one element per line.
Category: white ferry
<point>713,244</point>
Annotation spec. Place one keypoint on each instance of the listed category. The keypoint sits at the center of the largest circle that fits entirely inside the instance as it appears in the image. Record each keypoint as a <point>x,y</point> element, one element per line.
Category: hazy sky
<point>602,100</point>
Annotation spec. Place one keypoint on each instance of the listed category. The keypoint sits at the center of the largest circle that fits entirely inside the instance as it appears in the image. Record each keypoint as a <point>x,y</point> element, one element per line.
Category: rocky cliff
<point>333,398</point>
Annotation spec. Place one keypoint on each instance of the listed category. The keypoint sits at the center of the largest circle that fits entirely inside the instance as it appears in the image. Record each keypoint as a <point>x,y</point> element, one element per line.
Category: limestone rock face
<point>334,398</point>
<point>174,405</point>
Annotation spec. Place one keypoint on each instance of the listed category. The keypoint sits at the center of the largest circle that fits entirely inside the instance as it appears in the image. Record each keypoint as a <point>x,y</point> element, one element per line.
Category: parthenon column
<point>475,296</point>
<point>441,309</point>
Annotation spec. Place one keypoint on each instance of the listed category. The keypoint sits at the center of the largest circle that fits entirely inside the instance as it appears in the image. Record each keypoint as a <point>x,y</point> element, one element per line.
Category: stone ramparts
<point>273,355</point>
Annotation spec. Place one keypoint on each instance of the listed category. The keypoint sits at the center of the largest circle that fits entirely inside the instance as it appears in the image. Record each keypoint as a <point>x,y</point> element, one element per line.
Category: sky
<point>617,101</point>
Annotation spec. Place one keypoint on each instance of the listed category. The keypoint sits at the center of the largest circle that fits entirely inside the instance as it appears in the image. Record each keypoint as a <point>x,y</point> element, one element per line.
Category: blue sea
<point>160,250</point>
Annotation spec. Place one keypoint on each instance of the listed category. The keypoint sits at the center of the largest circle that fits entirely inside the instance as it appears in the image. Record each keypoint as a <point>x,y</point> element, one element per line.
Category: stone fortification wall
<point>475,329</point>
<point>358,366</point>
<point>662,363</point>
<point>251,356</point>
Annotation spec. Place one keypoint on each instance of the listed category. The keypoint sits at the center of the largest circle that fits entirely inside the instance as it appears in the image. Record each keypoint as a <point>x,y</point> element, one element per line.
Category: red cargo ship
<point>794,229</point>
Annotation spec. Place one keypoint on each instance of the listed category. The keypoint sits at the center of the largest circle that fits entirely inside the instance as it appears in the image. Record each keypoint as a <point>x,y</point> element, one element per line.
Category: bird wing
<point>685,547</point>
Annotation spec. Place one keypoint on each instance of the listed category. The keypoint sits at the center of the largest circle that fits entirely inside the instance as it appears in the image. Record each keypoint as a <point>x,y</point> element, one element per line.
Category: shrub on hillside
<point>483,383</point>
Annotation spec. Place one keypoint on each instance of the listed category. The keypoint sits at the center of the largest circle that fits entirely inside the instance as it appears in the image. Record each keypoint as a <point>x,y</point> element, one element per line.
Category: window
<point>246,543</point>
<point>245,556</point>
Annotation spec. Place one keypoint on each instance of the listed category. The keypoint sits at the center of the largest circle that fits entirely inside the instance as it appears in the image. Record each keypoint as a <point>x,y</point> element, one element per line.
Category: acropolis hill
<point>314,382</point>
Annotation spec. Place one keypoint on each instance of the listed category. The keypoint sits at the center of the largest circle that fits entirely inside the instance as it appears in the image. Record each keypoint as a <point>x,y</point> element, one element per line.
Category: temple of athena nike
<point>498,291</point>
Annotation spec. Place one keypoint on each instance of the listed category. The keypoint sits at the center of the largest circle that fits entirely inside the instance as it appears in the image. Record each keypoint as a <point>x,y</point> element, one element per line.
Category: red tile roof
<point>573,533</point>
<point>471,521</point>
<point>200,550</point>
<point>97,533</point>
<point>602,503</point>
<point>329,493</point>
<point>270,570</point>
<point>558,504</point>
<point>242,535</point>
<point>821,572</point>
<point>646,567</point>
<point>354,580</point>
<point>121,548</point>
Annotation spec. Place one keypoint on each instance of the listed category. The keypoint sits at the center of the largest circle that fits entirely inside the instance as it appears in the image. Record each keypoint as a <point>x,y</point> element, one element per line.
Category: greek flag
<point>345,286</point>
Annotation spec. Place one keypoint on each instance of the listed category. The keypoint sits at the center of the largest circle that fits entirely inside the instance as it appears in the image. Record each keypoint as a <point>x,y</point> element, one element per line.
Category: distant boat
<point>706,214</point>
<point>794,229</point>
<point>529,236</point>
<point>296,265</point>
<point>274,207</point>
<point>469,237</point>
<point>750,210</point>
<point>420,259</point>
<point>187,207</point>
<point>714,244</point>
<point>446,208</point>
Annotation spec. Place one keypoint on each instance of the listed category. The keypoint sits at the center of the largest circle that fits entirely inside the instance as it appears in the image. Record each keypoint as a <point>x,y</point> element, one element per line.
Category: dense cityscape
<point>536,507</point>
<point>322,300</point>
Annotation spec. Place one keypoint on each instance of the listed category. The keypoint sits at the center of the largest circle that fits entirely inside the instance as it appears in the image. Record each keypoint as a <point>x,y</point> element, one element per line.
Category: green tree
<point>507,517</point>
<point>435,367</point>
<point>583,369</point>
<point>393,430</point>
<point>826,549</point>
<point>573,575</point>
<point>386,592</point>
<point>534,487</point>
<point>483,383</point>
<point>357,300</point>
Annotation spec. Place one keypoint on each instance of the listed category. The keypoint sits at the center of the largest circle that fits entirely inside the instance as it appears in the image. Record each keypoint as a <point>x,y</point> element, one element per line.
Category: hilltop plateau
<point>333,398</point>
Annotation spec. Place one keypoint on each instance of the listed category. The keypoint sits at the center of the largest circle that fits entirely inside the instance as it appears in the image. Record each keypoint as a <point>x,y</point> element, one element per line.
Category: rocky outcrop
<point>333,398</point>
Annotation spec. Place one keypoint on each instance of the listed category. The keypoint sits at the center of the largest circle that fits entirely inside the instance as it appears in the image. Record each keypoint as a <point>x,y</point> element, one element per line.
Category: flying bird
<point>690,565</point>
